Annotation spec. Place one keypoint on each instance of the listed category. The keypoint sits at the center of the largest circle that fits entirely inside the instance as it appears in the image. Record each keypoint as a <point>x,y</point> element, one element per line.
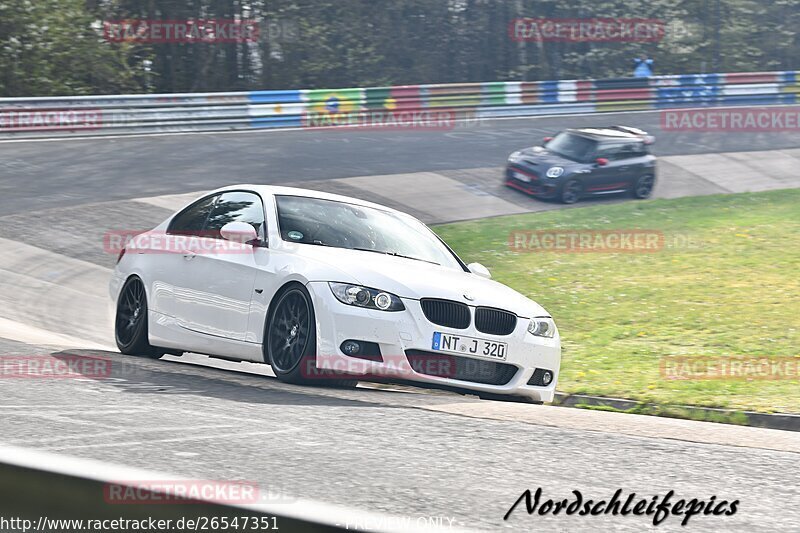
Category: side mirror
<point>240,232</point>
<point>479,270</point>
<point>547,140</point>
<point>601,161</point>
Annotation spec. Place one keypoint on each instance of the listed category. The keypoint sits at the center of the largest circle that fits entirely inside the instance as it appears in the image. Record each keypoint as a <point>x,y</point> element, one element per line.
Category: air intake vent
<point>495,321</point>
<point>460,368</point>
<point>446,313</point>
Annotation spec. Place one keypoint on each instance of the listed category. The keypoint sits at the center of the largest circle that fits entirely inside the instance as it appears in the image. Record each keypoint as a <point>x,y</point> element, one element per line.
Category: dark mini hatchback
<point>585,162</point>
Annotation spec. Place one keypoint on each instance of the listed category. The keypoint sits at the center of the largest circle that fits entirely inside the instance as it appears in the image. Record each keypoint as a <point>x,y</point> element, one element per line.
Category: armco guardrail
<point>41,491</point>
<point>412,106</point>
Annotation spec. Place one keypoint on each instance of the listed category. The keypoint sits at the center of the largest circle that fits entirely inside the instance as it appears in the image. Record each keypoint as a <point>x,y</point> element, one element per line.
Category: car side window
<point>631,150</point>
<point>191,220</point>
<point>236,206</point>
<point>608,151</point>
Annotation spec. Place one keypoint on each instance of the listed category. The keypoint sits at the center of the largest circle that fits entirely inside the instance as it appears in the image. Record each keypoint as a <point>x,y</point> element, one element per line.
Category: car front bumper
<point>528,181</point>
<point>406,335</point>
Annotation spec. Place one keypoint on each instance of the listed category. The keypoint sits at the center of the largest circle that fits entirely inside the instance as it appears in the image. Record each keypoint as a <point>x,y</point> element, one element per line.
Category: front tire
<point>571,191</point>
<point>130,323</point>
<point>291,341</point>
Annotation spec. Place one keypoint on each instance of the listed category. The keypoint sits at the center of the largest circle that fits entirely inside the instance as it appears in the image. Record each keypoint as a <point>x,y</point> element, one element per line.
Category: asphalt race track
<point>424,455</point>
<point>65,173</point>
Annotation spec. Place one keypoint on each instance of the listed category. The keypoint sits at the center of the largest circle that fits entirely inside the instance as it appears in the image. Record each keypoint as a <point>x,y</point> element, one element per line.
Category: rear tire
<point>643,187</point>
<point>130,323</point>
<point>290,341</point>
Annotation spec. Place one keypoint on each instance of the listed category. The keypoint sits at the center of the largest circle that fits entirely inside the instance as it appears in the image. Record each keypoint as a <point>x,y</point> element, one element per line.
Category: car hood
<point>541,158</point>
<point>413,279</point>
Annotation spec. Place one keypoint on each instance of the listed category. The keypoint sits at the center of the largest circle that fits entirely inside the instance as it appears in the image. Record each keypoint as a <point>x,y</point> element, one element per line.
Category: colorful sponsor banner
<point>493,93</point>
<point>275,109</point>
<point>456,95</point>
<point>624,94</point>
<point>395,107</point>
<point>622,83</point>
<point>531,92</point>
<point>751,89</point>
<point>575,91</point>
<point>272,97</point>
<point>333,101</point>
<point>758,99</point>
<point>379,98</point>
<point>750,77</point>
<point>406,97</point>
<point>585,91</point>
<point>793,88</point>
<point>535,110</point>
<point>390,99</point>
<point>623,105</point>
<point>548,92</point>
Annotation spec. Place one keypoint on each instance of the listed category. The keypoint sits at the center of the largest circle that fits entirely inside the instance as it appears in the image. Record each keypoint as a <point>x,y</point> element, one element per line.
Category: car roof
<point>618,133</point>
<point>280,190</point>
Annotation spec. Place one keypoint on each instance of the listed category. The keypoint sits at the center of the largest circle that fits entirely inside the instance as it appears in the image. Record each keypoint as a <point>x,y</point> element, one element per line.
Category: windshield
<point>342,225</point>
<point>572,147</point>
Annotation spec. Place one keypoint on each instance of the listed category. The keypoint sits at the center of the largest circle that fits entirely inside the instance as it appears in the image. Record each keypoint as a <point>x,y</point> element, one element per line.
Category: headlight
<point>554,172</point>
<point>516,156</point>
<point>366,297</point>
<point>542,326</point>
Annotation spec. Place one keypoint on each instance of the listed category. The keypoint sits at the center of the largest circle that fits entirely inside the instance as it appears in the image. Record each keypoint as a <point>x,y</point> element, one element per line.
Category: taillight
<point>119,258</point>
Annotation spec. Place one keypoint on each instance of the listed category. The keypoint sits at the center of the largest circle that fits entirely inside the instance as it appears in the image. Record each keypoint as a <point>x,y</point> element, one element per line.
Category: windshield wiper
<point>394,254</point>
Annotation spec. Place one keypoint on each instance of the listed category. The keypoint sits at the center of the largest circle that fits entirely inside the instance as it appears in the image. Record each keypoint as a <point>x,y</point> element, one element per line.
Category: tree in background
<point>55,46</point>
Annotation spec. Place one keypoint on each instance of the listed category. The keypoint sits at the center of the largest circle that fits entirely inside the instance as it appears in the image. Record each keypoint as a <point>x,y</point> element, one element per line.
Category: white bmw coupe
<point>325,287</point>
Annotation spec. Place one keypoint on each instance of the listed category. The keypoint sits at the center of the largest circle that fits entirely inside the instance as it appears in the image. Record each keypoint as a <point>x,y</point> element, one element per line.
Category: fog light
<point>541,378</point>
<point>350,347</point>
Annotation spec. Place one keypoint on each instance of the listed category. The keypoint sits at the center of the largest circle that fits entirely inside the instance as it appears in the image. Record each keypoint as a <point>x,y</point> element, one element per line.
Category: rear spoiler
<point>647,139</point>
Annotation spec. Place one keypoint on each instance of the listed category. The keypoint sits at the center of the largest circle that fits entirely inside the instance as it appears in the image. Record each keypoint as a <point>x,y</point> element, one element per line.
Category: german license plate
<point>522,177</point>
<point>445,342</point>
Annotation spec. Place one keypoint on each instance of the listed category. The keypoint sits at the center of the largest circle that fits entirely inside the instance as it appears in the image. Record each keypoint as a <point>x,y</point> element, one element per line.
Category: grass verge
<point>724,284</point>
